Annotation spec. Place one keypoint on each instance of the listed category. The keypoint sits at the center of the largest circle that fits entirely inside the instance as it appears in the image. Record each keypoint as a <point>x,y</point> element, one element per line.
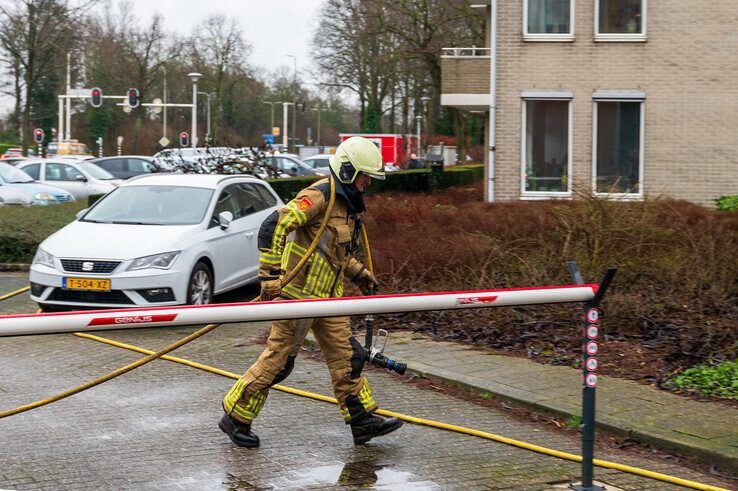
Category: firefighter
<point>283,240</point>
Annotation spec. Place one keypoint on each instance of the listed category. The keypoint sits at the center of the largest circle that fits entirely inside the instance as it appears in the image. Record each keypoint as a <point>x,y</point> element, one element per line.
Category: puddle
<point>358,474</point>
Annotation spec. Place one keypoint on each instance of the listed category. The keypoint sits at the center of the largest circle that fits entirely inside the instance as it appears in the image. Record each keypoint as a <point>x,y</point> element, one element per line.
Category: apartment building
<point>626,97</point>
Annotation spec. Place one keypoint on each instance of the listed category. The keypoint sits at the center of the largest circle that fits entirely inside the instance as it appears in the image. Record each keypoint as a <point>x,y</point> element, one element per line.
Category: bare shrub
<point>676,291</point>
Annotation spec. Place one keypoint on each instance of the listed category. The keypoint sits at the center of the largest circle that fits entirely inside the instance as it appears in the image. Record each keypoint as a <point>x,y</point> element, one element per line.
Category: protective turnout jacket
<point>286,235</point>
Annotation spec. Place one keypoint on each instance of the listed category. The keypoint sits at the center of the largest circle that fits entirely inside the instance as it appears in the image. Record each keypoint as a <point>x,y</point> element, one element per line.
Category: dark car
<point>127,166</point>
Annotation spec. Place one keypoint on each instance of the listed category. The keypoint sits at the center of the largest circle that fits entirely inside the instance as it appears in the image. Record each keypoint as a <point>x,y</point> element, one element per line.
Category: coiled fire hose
<point>120,371</point>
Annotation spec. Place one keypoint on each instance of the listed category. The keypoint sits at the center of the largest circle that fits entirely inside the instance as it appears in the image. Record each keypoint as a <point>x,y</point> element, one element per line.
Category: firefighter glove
<point>366,282</point>
<point>270,289</point>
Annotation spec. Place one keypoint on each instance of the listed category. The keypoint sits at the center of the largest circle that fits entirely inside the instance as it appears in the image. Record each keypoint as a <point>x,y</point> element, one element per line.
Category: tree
<point>43,27</point>
<point>355,55</point>
<point>220,51</point>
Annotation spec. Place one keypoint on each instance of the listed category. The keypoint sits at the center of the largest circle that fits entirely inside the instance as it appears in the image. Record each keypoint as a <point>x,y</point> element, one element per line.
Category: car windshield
<point>152,205</point>
<point>10,174</point>
<point>96,171</point>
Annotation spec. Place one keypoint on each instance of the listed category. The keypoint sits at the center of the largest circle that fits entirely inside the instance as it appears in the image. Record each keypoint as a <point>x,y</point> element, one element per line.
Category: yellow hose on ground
<point>154,355</point>
<point>433,424</point>
<point>12,294</point>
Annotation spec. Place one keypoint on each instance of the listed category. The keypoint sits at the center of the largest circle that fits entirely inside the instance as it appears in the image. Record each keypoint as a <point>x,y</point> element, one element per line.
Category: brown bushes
<point>676,289</point>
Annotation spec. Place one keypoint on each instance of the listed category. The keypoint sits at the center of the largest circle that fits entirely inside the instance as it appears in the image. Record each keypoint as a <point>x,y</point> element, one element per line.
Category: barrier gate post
<point>589,375</point>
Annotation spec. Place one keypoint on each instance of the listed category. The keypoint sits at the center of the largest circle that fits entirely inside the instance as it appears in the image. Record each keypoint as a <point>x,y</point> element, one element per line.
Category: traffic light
<point>184,139</point>
<point>38,135</point>
<point>133,97</point>
<point>96,97</point>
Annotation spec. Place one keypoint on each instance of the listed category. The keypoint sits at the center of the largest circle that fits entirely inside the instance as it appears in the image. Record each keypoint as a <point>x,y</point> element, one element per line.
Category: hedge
<point>409,181</point>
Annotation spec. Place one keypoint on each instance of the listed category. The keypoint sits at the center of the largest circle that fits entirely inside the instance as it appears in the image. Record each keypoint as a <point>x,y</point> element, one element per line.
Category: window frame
<point>621,37</point>
<point>546,96</point>
<point>549,37</point>
<point>620,96</point>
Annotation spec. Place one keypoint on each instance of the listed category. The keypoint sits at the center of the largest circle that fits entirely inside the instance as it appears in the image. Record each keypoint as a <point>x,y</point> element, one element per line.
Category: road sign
<point>275,131</point>
<point>164,141</point>
<point>268,138</point>
<point>120,140</point>
<point>157,108</point>
<point>38,135</point>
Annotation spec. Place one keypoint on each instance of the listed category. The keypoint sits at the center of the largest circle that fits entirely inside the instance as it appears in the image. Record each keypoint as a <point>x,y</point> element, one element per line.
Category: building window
<point>617,155</point>
<point>546,146</point>
<point>620,20</point>
<point>548,20</point>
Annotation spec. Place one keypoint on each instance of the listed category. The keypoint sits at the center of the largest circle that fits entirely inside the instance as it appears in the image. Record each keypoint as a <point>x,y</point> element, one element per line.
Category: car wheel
<point>200,286</point>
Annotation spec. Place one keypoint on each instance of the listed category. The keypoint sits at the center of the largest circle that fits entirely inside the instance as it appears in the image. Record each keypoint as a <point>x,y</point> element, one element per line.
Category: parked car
<point>160,239</point>
<point>9,196</point>
<point>127,166</point>
<point>71,147</point>
<point>294,166</point>
<point>15,152</point>
<point>13,160</point>
<point>39,194</point>
<point>319,161</point>
<point>79,178</point>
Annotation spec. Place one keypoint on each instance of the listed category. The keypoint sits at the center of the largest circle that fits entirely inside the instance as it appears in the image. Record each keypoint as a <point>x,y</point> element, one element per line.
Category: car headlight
<point>43,257</point>
<point>159,261</point>
<point>44,197</point>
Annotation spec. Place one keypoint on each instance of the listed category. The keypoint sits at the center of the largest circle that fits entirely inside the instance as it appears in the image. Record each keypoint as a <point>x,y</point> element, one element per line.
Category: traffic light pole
<point>65,133</point>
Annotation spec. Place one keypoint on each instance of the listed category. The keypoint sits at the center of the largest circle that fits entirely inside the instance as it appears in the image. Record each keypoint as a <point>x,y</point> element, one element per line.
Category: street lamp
<point>207,135</point>
<point>320,111</point>
<point>285,120</point>
<point>271,128</point>
<point>164,129</point>
<point>195,77</point>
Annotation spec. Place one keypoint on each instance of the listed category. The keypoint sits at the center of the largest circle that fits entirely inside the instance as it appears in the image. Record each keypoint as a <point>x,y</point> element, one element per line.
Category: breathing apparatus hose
<point>289,276</point>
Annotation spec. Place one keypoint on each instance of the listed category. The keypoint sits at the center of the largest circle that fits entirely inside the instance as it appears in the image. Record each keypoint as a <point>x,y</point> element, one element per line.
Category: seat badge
<point>88,266</point>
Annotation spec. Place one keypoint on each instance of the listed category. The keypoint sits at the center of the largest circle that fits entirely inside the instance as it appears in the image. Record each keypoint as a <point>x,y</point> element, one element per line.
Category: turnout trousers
<point>343,354</point>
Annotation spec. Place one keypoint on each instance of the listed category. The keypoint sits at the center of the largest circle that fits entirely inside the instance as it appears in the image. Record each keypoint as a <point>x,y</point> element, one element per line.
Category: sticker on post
<point>592,331</point>
<point>475,300</point>
<point>591,348</point>
<point>590,380</point>
<point>591,364</point>
<point>593,315</point>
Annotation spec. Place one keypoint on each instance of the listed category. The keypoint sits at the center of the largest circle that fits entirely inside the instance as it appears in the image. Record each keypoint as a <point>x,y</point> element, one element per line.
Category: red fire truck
<point>395,149</point>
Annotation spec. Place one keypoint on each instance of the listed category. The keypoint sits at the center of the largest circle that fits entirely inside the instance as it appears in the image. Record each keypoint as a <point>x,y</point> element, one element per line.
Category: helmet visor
<point>375,176</point>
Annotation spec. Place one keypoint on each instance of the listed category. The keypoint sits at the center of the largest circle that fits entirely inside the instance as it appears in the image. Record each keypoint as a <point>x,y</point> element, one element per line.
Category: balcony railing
<point>472,52</point>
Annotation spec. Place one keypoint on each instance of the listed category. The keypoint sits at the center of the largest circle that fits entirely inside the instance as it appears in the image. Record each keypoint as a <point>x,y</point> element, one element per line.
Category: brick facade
<point>688,69</point>
<point>465,75</point>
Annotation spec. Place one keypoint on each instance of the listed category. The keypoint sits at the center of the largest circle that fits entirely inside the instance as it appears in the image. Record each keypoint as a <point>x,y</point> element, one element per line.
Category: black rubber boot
<point>368,426</point>
<point>239,433</point>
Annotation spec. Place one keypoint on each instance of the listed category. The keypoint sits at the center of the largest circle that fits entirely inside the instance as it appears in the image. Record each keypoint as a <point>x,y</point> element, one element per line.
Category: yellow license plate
<point>92,284</point>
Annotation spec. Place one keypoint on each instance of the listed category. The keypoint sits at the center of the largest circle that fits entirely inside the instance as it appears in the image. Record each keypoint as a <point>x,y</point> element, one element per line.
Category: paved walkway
<point>155,427</point>
<point>706,430</point>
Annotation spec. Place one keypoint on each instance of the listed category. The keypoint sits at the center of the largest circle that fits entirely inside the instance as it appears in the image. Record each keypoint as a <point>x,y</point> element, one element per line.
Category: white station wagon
<point>161,239</point>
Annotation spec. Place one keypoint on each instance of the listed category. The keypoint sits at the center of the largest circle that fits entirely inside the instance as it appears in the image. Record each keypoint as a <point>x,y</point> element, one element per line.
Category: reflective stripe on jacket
<point>286,235</point>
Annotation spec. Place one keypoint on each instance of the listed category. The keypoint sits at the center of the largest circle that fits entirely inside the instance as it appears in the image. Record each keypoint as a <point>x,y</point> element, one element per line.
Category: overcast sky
<point>274,28</point>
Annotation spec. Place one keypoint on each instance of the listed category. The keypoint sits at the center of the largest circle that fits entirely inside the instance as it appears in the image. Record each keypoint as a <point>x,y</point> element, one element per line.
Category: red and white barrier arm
<point>13,325</point>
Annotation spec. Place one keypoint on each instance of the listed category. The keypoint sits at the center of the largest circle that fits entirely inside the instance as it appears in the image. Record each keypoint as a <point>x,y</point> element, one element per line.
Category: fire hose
<point>289,276</point>
<point>374,356</point>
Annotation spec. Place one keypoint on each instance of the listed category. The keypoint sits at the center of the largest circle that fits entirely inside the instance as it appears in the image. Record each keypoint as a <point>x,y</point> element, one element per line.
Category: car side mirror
<point>81,178</point>
<point>224,219</point>
<point>81,213</point>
